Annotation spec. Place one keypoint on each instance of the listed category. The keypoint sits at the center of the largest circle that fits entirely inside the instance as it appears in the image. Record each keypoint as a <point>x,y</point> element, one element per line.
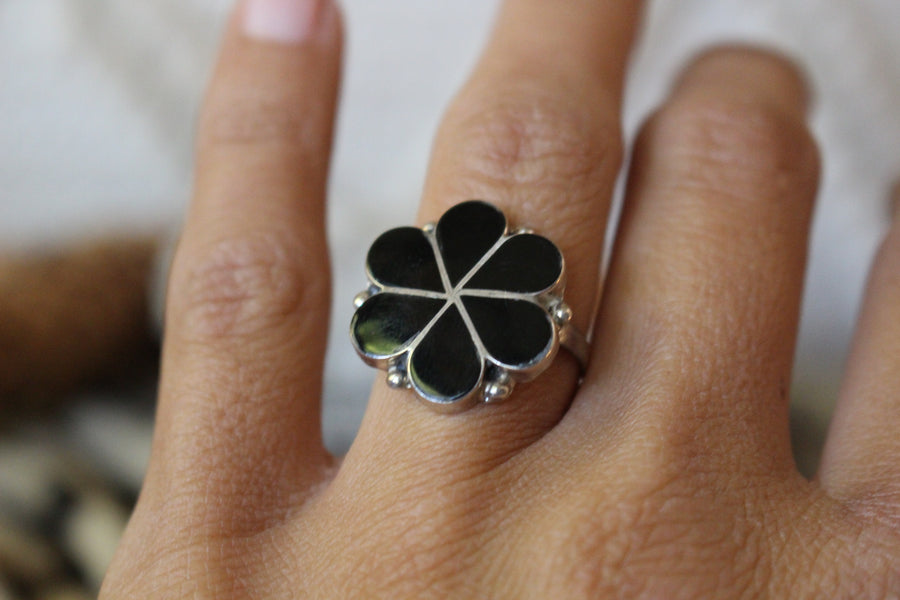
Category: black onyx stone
<point>386,323</point>
<point>404,257</point>
<point>525,263</point>
<point>465,233</point>
<point>446,366</point>
<point>516,333</point>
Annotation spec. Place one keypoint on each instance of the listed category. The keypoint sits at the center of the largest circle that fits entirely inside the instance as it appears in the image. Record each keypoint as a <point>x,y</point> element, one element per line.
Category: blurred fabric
<point>98,99</point>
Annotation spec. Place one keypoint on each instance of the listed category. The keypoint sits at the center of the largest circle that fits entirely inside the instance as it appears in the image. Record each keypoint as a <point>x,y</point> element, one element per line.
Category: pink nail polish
<point>282,21</point>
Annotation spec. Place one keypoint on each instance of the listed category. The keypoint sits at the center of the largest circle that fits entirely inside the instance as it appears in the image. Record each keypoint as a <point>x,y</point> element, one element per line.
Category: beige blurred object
<point>91,531</point>
<point>72,316</point>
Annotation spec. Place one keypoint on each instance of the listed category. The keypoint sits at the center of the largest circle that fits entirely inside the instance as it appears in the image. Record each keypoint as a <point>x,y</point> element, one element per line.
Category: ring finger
<point>536,132</point>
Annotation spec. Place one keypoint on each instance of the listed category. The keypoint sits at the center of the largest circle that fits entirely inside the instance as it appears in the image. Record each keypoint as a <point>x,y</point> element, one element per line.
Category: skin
<point>666,474</point>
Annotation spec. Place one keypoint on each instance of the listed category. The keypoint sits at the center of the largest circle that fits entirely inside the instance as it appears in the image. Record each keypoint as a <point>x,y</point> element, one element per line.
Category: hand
<point>666,474</point>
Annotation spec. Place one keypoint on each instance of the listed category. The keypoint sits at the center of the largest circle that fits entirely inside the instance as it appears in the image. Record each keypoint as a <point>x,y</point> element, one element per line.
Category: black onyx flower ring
<point>462,310</point>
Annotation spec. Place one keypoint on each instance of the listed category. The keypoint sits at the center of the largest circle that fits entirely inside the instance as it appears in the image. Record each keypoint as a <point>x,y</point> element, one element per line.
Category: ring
<point>462,310</point>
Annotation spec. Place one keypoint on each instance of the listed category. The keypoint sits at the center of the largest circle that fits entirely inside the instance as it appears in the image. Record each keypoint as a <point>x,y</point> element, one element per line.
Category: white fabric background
<point>97,100</point>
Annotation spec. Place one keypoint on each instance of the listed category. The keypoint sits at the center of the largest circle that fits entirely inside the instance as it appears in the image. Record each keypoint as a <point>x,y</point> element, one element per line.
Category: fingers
<point>695,337</point>
<point>249,291</point>
<point>861,462</point>
<point>536,132</point>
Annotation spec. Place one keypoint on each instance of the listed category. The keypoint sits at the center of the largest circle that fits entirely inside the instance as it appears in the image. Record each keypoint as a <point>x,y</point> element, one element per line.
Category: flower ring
<point>461,310</point>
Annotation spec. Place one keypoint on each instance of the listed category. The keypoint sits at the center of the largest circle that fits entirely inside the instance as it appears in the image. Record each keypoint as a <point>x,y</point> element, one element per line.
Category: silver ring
<point>462,310</point>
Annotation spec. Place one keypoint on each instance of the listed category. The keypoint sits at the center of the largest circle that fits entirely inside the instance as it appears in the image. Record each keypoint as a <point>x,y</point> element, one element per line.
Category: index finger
<point>249,292</point>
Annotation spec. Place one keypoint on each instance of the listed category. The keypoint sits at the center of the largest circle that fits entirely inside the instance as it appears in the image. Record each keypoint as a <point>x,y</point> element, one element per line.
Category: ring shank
<point>576,343</point>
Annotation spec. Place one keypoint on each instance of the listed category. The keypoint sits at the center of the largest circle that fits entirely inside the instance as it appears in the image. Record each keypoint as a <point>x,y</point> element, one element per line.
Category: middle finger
<point>536,131</point>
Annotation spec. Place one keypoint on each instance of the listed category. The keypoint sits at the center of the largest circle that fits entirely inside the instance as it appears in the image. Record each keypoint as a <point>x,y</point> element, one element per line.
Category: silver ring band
<point>576,343</point>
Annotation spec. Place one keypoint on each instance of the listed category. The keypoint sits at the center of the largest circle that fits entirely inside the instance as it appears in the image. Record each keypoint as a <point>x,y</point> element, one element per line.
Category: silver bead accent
<point>361,298</point>
<point>499,389</point>
<point>428,227</point>
<point>397,377</point>
<point>521,230</point>
<point>561,313</point>
<point>495,392</point>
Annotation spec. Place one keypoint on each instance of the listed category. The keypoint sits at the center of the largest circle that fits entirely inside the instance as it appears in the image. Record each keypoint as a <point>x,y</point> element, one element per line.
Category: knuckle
<point>732,145</point>
<point>536,139</point>
<point>242,285</point>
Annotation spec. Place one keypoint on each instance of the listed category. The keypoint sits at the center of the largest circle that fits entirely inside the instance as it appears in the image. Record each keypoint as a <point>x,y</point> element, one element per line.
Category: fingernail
<point>283,21</point>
